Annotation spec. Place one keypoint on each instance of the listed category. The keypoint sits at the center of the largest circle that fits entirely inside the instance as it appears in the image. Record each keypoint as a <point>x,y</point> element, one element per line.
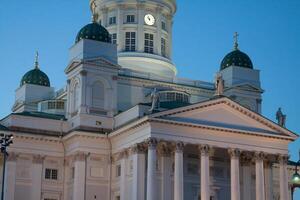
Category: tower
<point>92,82</point>
<point>142,31</point>
<point>242,81</point>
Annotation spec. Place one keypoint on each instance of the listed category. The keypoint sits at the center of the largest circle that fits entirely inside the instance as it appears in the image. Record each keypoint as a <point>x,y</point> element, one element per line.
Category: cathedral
<point>126,127</point>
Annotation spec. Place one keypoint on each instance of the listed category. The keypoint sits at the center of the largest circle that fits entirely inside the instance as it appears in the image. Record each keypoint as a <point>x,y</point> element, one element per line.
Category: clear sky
<point>203,33</point>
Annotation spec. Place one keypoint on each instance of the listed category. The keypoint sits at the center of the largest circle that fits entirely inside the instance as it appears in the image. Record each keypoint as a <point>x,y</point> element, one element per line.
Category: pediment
<point>223,113</point>
<point>248,87</point>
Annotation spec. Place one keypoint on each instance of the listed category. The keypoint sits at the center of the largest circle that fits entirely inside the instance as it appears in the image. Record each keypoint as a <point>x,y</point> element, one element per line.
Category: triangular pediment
<point>223,113</point>
<point>248,87</point>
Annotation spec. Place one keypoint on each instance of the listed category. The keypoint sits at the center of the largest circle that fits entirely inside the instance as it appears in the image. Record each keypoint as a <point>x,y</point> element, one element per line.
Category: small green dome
<point>35,77</point>
<point>236,58</point>
<point>93,31</point>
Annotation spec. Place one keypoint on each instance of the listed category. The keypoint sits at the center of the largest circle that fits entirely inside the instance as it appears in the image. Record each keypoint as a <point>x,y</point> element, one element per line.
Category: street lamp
<point>5,141</point>
<point>295,178</point>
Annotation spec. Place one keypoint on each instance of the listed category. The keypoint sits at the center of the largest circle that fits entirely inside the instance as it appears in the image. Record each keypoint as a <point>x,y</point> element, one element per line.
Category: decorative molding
<point>165,149</point>
<point>246,158</point>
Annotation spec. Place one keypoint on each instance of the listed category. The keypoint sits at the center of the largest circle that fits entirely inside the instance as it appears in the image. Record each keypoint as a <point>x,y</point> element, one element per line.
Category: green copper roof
<point>35,76</point>
<point>236,58</point>
<point>93,31</point>
<point>42,115</point>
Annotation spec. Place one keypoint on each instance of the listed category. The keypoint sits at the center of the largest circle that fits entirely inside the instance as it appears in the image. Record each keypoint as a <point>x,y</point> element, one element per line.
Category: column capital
<point>83,73</point>
<point>204,149</point>
<point>152,143</point>
<point>282,158</point>
<point>246,158</point>
<point>138,149</point>
<point>12,156</point>
<point>80,156</point>
<point>179,146</point>
<point>164,149</point>
<point>140,5</point>
<point>38,159</point>
<point>122,154</point>
<point>259,156</point>
<point>234,153</point>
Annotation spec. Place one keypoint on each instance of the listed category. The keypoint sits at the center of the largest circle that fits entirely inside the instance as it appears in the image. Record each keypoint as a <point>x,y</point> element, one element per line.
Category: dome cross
<point>36,61</point>
<point>235,36</point>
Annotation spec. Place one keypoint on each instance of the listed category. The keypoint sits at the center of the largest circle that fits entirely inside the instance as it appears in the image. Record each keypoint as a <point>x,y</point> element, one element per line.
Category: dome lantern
<point>36,76</point>
<point>236,57</point>
<point>94,30</point>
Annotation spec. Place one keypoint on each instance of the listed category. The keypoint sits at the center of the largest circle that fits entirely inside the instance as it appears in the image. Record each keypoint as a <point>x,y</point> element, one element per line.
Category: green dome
<point>236,58</point>
<point>93,31</point>
<point>35,77</point>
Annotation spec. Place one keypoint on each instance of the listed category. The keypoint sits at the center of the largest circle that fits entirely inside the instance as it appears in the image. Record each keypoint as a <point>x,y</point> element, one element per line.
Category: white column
<point>205,190</point>
<point>140,29</point>
<point>83,104</point>
<point>37,176</point>
<point>120,32</point>
<point>283,177</point>
<point>151,172</point>
<point>66,178</point>
<point>259,172</point>
<point>235,173</point>
<point>178,172</point>
<point>10,176</point>
<point>79,176</point>
<point>138,177</point>
<point>123,183</point>
<point>166,182</point>
<point>246,175</point>
<point>269,180</point>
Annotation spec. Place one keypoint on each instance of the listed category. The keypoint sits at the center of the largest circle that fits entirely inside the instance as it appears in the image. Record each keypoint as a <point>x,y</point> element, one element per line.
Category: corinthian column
<point>37,171</point>
<point>178,172</point>
<point>138,177</point>
<point>235,173</point>
<point>10,177</point>
<point>259,171</point>
<point>283,177</point>
<point>166,168</point>
<point>79,176</point>
<point>204,154</point>
<point>151,173</point>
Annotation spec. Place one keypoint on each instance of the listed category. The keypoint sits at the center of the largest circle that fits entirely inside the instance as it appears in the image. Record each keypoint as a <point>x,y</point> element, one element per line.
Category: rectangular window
<point>130,19</point>
<point>113,38</point>
<point>149,43</point>
<point>163,25</point>
<point>51,174</point>
<point>130,41</point>
<point>118,171</point>
<point>112,20</point>
<point>163,47</point>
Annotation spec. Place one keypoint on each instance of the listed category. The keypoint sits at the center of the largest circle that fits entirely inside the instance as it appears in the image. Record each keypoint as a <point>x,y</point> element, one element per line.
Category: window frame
<point>149,43</point>
<point>130,41</point>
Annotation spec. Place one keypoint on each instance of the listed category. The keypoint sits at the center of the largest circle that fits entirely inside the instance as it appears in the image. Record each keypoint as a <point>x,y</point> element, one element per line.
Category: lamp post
<point>5,141</point>
<point>295,178</point>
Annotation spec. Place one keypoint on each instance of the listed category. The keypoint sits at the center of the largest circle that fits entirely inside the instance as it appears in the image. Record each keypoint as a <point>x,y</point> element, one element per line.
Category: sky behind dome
<point>202,35</point>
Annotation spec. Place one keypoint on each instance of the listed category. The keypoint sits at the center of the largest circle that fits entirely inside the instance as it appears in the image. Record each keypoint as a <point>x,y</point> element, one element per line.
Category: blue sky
<point>203,33</point>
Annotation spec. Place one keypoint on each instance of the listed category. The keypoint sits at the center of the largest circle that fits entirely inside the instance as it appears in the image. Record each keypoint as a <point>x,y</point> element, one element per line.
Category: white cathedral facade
<point>125,127</point>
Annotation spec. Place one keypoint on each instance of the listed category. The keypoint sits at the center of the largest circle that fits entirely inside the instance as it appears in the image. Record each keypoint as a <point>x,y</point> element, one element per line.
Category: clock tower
<point>142,31</point>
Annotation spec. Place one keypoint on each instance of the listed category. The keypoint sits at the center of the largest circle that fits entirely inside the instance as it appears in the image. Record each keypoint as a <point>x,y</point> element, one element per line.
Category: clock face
<point>149,19</point>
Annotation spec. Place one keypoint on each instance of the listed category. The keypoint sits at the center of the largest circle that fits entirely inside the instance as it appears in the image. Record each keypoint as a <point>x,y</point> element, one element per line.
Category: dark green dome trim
<point>93,31</point>
<point>35,77</point>
<point>236,58</point>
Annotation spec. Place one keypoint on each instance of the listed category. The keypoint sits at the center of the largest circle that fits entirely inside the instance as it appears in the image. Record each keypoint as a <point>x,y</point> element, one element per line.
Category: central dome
<point>236,58</point>
<point>93,31</point>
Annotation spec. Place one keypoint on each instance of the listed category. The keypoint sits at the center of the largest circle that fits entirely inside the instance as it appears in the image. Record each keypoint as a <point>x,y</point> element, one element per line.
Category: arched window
<point>98,95</point>
<point>75,105</point>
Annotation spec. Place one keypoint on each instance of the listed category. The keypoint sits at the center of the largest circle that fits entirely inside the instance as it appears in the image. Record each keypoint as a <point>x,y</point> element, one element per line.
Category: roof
<point>41,115</point>
<point>35,77</point>
<point>3,128</point>
<point>236,58</point>
<point>93,31</point>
